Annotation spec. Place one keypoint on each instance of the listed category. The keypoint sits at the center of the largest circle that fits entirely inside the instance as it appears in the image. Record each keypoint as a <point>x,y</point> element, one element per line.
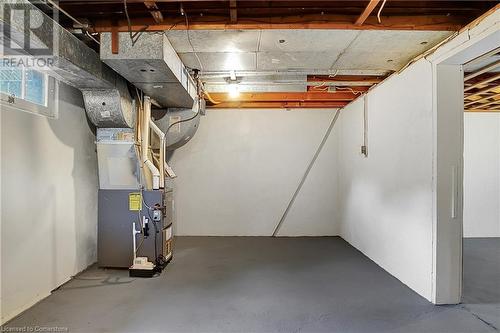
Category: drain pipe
<point>145,145</point>
<point>161,161</point>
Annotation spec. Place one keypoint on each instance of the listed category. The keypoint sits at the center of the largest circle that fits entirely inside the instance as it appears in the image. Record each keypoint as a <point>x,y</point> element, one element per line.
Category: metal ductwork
<point>107,100</point>
<point>151,64</point>
<point>110,107</point>
<point>179,124</point>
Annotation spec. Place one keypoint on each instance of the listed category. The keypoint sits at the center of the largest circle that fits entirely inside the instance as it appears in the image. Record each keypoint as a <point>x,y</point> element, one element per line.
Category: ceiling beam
<point>346,79</point>
<point>481,92</point>
<point>483,82</point>
<point>481,110</point>
<point>336,99</point>
<point>278,105</point>
<point>486,99</point>
<point>157,15</point>
<point>326,21</point>
<point>233,11</point>
<point>287,96</point>
<point>368,10</point>
<point>482,70</point>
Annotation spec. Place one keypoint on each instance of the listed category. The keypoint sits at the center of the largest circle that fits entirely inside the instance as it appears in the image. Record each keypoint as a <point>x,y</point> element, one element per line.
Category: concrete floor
<point>258,284</point>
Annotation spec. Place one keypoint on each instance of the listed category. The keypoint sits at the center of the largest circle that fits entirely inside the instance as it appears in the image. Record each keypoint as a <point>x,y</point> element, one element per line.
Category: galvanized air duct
<point>110,107</point>
<point>151,64</point>
<point>107,100</point>
<point>180,124</point>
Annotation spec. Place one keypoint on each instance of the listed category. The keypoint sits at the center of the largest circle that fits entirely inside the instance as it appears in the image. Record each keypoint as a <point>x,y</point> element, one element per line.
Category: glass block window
<point>23,83</point>
<point>11,81</point>
<point>27,89</point>
<point>35,87</point>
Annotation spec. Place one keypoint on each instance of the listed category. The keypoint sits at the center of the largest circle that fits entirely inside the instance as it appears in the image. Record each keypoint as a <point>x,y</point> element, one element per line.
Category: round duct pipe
<point>178,124</point>
<point>110,108</point>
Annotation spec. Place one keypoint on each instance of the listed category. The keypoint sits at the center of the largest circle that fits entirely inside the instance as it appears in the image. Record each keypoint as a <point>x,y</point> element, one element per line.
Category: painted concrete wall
<point>238,173</point>
<point>49,201</point>
<point>386,199</point>
<point>482,174</point>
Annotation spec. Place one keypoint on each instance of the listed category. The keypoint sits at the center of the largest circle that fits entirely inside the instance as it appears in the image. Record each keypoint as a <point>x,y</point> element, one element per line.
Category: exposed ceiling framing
<point>284,100</point>
<point>368,10</point>
<point>482,84</point>
<point>373,39</point>
<point>162,15</point>
<point>153,7</point>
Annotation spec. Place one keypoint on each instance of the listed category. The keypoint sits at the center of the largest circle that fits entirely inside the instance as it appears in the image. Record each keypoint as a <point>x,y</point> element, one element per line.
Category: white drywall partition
<point>386,198</point>
<point>482,174</point>
<point>239,172</point>
<point>474,41</point>
<point>447,182</point>
<point>49,201</point>
<point>402,206</point>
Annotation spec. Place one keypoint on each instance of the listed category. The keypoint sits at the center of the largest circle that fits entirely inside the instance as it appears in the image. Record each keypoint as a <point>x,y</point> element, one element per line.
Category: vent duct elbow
<point>180,124</point>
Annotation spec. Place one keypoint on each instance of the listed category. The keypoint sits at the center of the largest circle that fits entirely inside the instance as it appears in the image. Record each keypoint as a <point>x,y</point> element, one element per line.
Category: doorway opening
<point>481,187</point>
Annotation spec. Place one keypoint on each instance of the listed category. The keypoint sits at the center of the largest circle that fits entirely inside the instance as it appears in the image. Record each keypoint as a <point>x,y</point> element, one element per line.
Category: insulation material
<point>303,48</point>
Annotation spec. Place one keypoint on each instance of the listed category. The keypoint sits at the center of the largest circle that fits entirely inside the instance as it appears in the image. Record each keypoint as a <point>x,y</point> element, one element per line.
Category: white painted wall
<point>386,199</point>
<point>481,174</point>
<point>49,201</point>
<point>238,173</point>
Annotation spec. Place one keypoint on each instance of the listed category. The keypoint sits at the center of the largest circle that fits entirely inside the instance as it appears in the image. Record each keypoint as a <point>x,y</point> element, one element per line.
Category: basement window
<point>27,89</point>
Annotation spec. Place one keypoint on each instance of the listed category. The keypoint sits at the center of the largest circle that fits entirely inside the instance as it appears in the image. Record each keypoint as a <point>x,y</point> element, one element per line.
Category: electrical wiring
<point>190,43</point>
<point>158,259</point>
<point>133,36</point>
<point>143,201</point>
<point>380,11</point>
<point>142,233</point>
<point>182,121</point>
<point>350,89</point>
<point>334,74</point>
<point>72,18</point>
<point>155,227</point>
<point>320,87</point>
<point>207,95</point>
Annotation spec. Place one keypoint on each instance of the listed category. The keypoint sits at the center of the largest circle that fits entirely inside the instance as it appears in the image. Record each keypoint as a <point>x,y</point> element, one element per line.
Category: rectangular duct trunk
<point>151,64</point>
<point>71,60</point>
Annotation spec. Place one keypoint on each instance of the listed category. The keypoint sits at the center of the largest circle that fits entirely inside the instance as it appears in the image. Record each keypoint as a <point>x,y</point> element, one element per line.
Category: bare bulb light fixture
<point>233,90</point>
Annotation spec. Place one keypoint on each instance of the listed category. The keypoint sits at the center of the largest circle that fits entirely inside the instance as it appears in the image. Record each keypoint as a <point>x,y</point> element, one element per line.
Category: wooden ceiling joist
<point>233,11</point>
<point>485,100</point>
<point>483,70</point>
<point>157,15</point>
<point>368,10</point>
<point>346,79</point>
<point>471,96</point>
<point>326,21</point>
<point>481,110</point>
<point>482,82</point>
<point>284,100</point>
<point>279,105</point>
<point>484,105</point>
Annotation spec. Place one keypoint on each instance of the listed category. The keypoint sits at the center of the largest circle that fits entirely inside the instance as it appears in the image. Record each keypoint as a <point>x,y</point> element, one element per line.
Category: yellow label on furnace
<point>134,201</point>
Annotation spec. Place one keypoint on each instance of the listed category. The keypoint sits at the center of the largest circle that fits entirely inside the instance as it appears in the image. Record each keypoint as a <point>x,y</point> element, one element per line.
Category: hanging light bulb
<point>233,90</point>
